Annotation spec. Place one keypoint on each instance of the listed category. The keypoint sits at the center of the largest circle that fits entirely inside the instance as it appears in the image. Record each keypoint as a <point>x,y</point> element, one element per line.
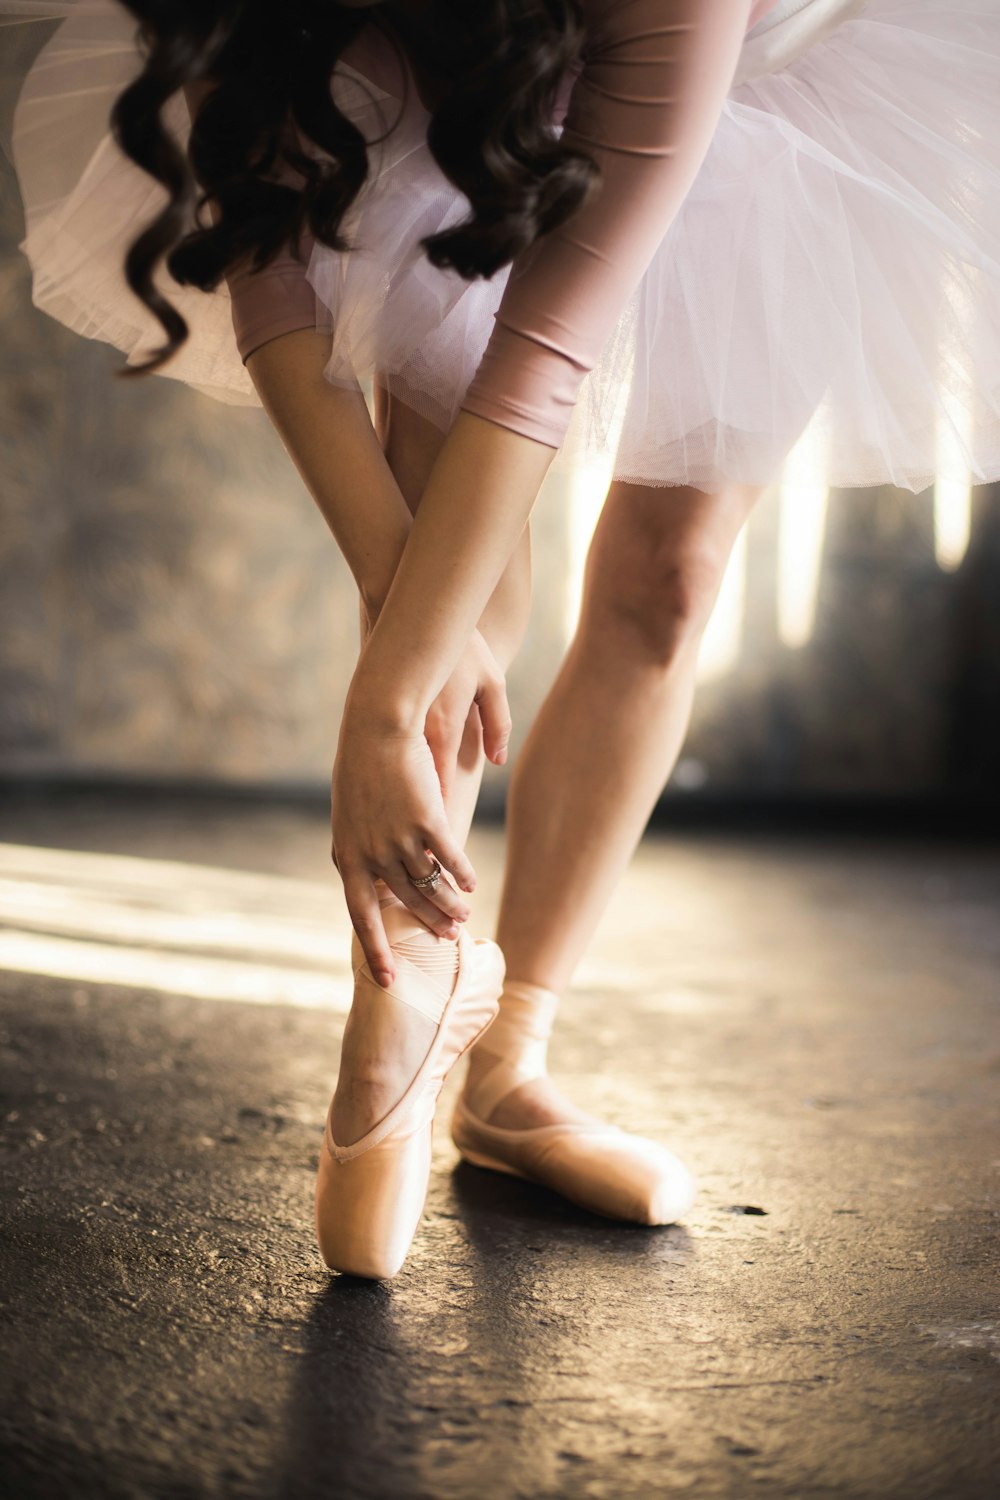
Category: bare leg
<point>606,737</point>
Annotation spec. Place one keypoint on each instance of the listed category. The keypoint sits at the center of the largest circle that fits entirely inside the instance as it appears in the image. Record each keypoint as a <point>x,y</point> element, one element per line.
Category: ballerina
<point>676,231</point>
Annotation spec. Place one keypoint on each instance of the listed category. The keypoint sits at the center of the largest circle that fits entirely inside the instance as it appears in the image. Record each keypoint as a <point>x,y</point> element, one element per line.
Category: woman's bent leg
<point>382,1043</point>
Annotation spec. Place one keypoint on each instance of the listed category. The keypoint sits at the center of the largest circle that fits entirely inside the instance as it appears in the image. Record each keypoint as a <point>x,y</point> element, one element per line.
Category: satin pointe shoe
<point>370,1195</point>
<point>597,1166</point>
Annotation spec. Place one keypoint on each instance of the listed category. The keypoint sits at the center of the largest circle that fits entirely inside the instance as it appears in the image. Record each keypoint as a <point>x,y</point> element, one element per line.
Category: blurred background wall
<point>173,608</point>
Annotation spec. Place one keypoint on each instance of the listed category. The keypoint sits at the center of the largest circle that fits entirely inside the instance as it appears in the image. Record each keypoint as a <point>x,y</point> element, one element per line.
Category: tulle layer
<point>85,202</point>
<point>836,265</point>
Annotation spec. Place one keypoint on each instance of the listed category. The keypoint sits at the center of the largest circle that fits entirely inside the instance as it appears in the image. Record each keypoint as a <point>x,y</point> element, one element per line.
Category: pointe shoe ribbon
<point>597,1166</point>
<point>370,1195</point>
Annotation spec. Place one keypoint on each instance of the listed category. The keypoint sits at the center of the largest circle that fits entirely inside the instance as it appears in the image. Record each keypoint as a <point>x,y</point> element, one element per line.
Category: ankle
<point>524,1021</point>
<point>527,1006</point>
<point>530,992</point>
<point>514,1048</point>
<point>481,1062</point>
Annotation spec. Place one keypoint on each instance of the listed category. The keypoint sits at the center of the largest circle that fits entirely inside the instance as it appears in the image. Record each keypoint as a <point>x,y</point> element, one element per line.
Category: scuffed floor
<point>811,1022</point>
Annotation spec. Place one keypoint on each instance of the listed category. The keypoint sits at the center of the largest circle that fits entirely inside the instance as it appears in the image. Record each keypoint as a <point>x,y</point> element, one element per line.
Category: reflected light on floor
<point>804,500</point>
<point>184,929</point>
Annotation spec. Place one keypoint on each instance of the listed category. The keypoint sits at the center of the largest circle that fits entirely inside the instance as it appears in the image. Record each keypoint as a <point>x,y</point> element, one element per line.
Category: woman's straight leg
<point>607,736</point>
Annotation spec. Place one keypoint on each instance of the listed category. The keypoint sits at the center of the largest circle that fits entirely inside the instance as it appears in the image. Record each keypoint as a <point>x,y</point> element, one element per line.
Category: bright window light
<point>954,430</point>
<point>953,487</point>
<point>804,498</point>
<point>723,637</point>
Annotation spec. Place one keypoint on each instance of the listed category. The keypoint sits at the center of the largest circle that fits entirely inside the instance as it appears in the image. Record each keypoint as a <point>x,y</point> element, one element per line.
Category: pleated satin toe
<point>370,1195</point>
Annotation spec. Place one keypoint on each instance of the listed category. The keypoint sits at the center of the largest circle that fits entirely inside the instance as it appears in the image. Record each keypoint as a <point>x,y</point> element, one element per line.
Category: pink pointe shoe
<point>370,1195</point>
<point>597,1166</point>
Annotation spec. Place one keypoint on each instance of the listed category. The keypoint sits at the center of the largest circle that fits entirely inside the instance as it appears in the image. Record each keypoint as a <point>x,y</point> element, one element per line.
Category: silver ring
<point>427,882</point>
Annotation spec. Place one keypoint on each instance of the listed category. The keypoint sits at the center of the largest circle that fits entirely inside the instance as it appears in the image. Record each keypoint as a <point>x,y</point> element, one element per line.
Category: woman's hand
<point>388,820</point>
<point>476,683</point>
<point>388,813</point>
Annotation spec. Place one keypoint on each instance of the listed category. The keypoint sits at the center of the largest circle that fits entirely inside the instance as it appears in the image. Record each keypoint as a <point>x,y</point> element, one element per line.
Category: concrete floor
<point>810,1021</point>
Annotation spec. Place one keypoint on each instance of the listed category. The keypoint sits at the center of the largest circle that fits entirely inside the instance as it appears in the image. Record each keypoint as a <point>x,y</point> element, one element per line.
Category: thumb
<point>494,712</point>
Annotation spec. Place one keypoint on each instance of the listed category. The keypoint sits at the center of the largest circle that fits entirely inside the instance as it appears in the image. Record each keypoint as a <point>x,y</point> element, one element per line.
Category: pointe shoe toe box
<point>368,1207</point>
<point>622,1175</point>
<point>370,1196</point>
<point>675,1192</point>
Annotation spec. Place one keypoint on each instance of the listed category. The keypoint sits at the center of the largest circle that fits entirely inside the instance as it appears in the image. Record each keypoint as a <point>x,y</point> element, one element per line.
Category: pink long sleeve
<point>645,108</point>
<point>274,300</point>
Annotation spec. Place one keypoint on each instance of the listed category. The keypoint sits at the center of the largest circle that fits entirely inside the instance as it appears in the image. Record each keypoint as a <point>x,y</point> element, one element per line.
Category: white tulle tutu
<point>837,262</point>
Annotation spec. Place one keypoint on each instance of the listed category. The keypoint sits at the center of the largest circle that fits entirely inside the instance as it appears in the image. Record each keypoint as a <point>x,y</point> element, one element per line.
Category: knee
<point>658,603</point>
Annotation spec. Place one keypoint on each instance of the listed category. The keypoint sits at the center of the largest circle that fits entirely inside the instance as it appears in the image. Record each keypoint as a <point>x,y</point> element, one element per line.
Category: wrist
<point>374,707</point>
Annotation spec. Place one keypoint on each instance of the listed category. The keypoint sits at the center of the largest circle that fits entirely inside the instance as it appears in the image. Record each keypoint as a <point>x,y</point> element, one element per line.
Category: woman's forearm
<point>473,510</point>
<point>327,432</point>
<point>329,437</point>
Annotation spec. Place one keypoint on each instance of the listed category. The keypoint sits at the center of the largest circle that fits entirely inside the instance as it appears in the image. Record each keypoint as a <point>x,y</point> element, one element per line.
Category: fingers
<point>494,711</point>
<point>444,737</point>
<point>441,842</point>
<point>441,908</point>
<point>366,917</point>
<point>443,895</point>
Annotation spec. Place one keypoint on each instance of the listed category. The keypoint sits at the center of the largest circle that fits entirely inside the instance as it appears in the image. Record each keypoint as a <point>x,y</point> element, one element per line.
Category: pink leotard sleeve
<point>645,105</point>
<point>275,300</point>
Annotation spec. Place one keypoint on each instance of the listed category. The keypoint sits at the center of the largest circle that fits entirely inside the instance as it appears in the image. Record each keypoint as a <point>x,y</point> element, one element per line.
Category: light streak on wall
<point>588,481</point>
<point>803,498</point>
<point>723,637</point>
<point>954,431</point>
<point>953,486</point>
<point>588,487</point>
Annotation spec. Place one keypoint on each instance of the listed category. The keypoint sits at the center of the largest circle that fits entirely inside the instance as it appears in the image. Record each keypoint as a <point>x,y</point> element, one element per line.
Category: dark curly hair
<point>270,63</point>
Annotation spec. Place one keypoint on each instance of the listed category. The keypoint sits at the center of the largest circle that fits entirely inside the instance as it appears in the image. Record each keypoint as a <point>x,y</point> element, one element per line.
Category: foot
<point>512,1118</point>
<point>386,1039</point>
<point>536,1102</point>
